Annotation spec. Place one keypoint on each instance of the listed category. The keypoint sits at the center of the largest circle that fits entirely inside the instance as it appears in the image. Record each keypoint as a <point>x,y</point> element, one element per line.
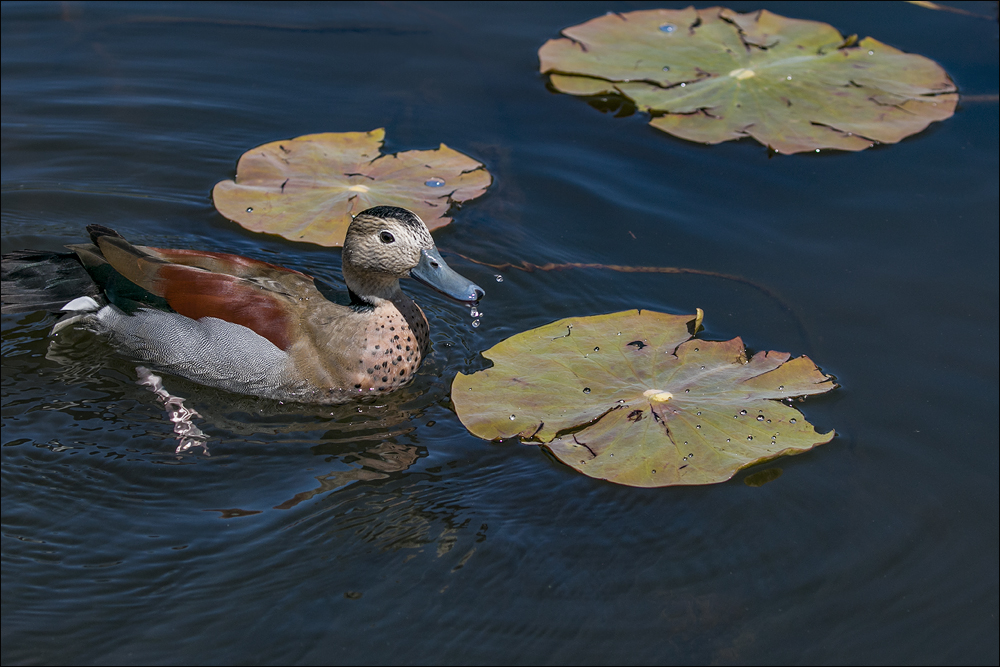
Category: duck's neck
<point>373,289</point>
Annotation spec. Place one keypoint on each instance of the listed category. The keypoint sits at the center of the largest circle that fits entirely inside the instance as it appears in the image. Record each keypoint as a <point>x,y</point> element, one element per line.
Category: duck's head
<point>386,243</point>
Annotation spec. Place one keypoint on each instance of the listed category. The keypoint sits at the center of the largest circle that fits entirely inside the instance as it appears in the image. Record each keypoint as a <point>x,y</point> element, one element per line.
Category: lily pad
<point>308,188</point>
<point>711,75</point>
<point>635,399</point>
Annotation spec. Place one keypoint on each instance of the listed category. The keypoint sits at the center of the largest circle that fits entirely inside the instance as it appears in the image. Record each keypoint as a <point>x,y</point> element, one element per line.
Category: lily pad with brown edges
<point>635,399</point>
<point>308,188</point>
<point>711,75</point>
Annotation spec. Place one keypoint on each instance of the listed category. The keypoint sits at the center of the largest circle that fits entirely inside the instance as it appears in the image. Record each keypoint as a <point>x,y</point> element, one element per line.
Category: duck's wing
<point>260,296</point>
<point>224,263</point>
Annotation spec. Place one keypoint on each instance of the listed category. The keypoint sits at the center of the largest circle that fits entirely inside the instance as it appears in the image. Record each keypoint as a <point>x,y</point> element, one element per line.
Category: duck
<point>245,325</point>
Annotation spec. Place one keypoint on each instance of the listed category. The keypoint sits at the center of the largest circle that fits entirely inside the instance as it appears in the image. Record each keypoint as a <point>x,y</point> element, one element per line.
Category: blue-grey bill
<point>435,272</point>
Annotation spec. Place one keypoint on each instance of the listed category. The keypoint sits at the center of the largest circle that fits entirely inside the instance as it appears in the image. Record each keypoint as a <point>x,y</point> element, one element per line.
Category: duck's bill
<point>435,272</point>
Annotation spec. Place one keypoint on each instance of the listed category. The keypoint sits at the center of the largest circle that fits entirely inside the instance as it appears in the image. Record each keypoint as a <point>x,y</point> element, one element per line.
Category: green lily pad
<point>635,399</point>
<point>308,188</point>
<point>711,75</point>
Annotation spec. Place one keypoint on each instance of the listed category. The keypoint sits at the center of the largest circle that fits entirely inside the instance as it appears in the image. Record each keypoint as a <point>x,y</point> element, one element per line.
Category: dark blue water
<point>383,532</point>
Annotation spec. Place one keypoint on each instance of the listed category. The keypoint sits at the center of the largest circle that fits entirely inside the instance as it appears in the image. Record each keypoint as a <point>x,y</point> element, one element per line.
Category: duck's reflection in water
<point>373,464</point>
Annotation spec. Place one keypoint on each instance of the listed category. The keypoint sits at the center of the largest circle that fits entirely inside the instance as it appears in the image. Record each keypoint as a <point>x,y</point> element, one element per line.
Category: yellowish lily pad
<point>308,188</point>
<point>635,399</point>
<point>712,75</point>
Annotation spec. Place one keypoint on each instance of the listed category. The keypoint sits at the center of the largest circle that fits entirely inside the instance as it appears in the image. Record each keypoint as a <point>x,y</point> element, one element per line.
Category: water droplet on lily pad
<point>668,27</point>
<point>434,182</point>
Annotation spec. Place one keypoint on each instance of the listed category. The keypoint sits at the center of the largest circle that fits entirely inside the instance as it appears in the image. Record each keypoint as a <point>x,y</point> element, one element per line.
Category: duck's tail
<point>39,280</point>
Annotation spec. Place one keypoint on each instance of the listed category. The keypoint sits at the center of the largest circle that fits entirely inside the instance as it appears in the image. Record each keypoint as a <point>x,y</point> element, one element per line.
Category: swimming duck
<point>251,327</point>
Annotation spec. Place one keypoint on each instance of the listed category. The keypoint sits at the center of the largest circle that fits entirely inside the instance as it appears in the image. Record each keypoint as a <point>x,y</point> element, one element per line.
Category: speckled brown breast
<point>394,345</point>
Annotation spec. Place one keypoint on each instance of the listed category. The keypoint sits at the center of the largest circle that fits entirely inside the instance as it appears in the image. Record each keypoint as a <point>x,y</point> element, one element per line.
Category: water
<point>383,531</point>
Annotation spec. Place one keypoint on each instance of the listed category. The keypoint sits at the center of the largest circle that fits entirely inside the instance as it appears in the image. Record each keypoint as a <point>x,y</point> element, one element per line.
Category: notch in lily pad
<point>310,188</point>
<point>793,85</point>
<point>673,410</point>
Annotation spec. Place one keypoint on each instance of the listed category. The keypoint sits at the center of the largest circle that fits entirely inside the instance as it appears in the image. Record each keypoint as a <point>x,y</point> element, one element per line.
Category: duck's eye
<point>386,237</point>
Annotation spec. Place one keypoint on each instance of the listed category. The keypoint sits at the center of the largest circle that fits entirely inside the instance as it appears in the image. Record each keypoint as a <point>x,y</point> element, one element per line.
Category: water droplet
<point>512,417</point>
<point>781,387</point>
<point>475,323</point>
<point>683,85</point>
<point>586,390</point>
<point>743,412</point>
<point>597,349</point>
<point>749,437</point>
<point>698,413</point>
<point>817,150</point>
<point>654,472</point>
<point>687,391</point>
<point>792,420</point>
<point>728,440</point>
<point>871,53</point>
<point>760,418</point>
<point>474,312</point>
<point>788,78</point>
<point>702,368</point>
<point>249,209</point>
<point>695,349</point>
<point>666,68</point>
<point>434,182</point>
<point>668,27</point>
<point>697,425</point>
<point>499,278</point>
<point>768,421</point>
